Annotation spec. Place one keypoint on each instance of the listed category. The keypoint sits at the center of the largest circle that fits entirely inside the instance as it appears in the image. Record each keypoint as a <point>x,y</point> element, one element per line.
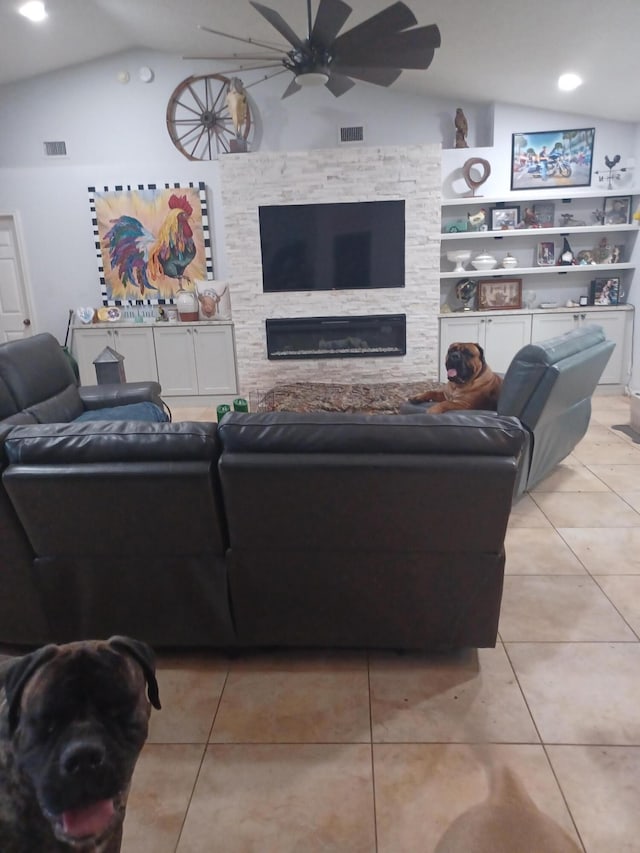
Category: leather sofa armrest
<point>114,394</point>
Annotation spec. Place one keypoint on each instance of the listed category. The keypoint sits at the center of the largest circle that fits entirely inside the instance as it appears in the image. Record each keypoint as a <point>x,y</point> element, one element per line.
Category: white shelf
<point>539,195</point>
<point>516,272</point>
<point>535,232</point>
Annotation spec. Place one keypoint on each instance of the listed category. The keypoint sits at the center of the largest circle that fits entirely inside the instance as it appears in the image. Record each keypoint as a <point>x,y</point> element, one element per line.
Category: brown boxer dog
<point>73,719</point>
<point>472,384</point>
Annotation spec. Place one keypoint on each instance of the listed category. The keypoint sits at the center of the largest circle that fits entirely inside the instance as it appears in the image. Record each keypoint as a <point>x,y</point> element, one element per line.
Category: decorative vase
<point>187,304</point>
<point>509,262</point>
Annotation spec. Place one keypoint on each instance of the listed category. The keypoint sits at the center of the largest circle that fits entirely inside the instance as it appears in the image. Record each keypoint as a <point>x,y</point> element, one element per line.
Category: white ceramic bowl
<point>484,261</point>
<point>459,258</point>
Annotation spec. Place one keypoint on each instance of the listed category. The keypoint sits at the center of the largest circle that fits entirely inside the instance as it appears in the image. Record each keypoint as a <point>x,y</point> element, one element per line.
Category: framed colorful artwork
<point>151,240</point>
<point>552,159</point>
<point>605,291</point>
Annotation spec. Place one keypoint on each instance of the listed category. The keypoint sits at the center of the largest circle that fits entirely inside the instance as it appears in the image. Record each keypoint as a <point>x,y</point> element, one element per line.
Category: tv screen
<point>343,246</point>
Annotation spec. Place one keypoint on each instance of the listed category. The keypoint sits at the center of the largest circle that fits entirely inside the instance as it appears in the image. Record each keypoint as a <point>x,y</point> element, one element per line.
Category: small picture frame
<point>546,254</point>
<point>505,218</point>
<point>605,291</point>
<point>545,212</point>
<point>617,210</point>
<point>499,294</point>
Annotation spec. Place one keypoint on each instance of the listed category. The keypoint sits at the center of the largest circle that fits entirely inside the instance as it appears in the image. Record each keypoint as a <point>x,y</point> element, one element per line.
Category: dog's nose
<point>83,757</point>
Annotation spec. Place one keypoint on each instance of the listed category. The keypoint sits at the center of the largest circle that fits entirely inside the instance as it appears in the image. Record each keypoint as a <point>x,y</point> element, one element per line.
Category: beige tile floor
<point>373,751</point>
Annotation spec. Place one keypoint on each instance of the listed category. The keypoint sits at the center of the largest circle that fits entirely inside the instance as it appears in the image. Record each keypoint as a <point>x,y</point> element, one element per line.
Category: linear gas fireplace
<point>337,337</point>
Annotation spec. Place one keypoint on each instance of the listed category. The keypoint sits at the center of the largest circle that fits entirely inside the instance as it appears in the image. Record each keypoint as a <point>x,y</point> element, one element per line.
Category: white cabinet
<point>134,343</point>
<point>503,335</point>
<point>573,217</point>
<point>195,359</point>
<point>500,336</point>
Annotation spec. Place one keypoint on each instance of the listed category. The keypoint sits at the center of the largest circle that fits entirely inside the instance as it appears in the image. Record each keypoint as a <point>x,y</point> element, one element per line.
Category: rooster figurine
<point>142,258</point>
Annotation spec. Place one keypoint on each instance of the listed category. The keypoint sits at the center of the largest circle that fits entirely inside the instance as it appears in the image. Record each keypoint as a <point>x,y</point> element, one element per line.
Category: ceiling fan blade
<point>240,38</point>
<point>410,49</point>
<point>278,22</point>
<point>393,19</point>
<point>338,84</point>
<point>291,89</point>
<point>238,57</point>
<point>329,21</point>
<point>377,76</point>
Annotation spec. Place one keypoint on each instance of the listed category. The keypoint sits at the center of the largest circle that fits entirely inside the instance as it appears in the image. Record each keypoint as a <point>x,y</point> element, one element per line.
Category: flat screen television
<point>342,246</point>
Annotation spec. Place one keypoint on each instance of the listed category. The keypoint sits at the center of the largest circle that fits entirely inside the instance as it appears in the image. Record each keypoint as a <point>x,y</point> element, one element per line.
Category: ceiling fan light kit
<point>375,51</point>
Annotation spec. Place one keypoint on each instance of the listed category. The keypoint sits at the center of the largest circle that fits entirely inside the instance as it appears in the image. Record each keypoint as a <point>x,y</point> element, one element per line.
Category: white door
<point>176,359</point>
<point>15,313</point>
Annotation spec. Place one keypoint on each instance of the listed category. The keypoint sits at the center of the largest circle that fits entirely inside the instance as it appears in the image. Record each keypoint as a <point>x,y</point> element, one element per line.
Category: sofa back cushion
<point>35,369</point>
<point>8,405</point>
<point>368,483</point>
<point>552,376</point>
<point>117,488</point>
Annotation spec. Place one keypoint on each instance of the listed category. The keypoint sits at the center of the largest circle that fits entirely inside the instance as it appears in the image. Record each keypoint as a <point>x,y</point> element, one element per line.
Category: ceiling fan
<point>376,50</point>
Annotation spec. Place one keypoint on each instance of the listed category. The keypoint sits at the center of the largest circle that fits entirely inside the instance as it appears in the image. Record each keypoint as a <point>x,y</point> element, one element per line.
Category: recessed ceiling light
<point>34,11</point>
<point>569,82</point>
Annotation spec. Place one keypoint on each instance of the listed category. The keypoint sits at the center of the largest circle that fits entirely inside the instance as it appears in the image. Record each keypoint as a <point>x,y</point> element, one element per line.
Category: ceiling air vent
<point>349,135</point>
<point>55,149</point>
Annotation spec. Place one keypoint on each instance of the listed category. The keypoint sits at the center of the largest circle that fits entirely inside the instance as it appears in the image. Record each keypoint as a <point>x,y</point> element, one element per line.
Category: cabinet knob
<point>583,316</point>
<point>26,322</point>
<point>576,317</point>
<point>489,319</point>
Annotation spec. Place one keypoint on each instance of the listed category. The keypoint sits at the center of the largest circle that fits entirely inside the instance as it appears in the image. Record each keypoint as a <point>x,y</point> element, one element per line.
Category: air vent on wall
<point>55,149</point>
<point>349,135</point>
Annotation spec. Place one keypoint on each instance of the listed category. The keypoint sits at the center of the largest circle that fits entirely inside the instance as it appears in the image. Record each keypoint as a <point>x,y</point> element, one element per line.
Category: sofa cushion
<point>60,408</point>
<point>111,441</point>
<point>8,405</point>
<point>459,433</point>
<point>22,367</point>
<point>131,412</point>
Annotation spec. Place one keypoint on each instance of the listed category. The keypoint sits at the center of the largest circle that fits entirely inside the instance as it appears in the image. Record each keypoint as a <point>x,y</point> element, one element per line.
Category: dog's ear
<point>18,674</point>
<point>143,654</point>
<point>480,353</point>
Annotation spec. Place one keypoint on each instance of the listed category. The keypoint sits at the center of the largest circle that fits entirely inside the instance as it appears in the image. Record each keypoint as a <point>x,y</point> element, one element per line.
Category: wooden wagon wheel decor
<point>202,115</point>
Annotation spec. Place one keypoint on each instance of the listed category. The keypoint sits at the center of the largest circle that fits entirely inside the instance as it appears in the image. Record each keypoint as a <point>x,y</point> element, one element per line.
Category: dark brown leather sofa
<point>269,530</point>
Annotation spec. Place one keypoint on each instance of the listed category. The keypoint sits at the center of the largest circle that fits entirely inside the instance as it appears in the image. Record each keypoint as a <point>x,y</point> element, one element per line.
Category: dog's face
<point>464,362</point>
<point>78,718</point>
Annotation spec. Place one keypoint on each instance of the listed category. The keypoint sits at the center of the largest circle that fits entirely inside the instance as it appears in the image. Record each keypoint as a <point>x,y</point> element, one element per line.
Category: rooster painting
<point>151,242</point>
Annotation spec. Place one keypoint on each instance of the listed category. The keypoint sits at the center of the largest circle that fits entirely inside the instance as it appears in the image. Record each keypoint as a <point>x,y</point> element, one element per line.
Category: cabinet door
<point>176,360</point>
<point>547,326</point>
<point>614,324</point>
<point>215,359</point>
<point>504,336</point>
<point>87,344</point>
<point>458,327</point>
<point>136,345</point>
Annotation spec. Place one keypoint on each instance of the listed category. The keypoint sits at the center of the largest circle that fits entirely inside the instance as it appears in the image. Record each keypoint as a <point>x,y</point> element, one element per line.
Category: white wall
<point>117,133</point>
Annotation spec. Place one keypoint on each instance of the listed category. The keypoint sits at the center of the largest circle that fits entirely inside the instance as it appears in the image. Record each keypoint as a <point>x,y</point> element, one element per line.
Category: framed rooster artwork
<point>151,241</point>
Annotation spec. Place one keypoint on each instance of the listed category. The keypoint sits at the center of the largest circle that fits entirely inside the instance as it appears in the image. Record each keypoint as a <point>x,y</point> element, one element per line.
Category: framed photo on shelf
<point>617,210</point>
<point>552,158</point>
<point>499,294</point>
<point>546,254</point>
<point>505,218</point>
<point>545,213</point>
<point>605,291</point>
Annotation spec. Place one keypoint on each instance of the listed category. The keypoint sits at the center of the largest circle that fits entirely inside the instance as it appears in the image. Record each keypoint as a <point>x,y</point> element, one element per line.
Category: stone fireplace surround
<point>412,173</point>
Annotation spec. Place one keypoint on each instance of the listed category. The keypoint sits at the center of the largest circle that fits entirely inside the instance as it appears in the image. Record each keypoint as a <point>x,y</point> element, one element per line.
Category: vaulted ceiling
<point>495,50</point>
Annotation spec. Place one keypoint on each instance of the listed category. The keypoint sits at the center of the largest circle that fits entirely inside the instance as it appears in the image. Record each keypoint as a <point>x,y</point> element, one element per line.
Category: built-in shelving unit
<point>553,282</point>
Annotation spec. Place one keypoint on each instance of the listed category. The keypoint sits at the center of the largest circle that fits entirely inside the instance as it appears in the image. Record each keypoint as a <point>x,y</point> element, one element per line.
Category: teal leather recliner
<point>548,387</point>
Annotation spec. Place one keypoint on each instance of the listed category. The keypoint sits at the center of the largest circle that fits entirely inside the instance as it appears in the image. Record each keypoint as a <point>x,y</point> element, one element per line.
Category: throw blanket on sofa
<point>385,397</point>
